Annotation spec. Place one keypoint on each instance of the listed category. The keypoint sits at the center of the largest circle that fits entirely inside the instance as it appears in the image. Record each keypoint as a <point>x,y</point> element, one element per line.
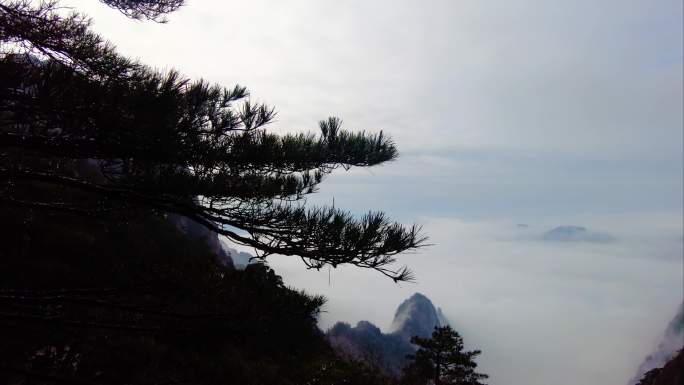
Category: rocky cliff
<point>416,316</point>
<point>671,342</point>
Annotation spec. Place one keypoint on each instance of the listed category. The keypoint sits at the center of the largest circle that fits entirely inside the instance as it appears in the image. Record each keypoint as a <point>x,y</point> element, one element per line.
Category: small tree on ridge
<point>440,360</point>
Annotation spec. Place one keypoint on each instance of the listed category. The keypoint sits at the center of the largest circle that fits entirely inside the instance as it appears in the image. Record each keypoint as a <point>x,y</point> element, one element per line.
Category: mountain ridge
<point>415,316</point>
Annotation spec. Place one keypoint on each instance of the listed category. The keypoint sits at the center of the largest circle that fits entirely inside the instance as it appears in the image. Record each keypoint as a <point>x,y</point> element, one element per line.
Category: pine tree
<point>148,9</point>
<point>440,360</point>
<point>99,157</point>
<point>165,144</point>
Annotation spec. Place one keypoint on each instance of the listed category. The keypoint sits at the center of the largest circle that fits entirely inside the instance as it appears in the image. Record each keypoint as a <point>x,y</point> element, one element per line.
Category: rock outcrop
<point>670,374</point>
<point>416,316</point>
<point>671,343</point>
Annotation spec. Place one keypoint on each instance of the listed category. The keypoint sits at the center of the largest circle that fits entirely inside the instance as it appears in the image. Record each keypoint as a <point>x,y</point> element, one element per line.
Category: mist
<point>536,309</point>
<point>533,113</point>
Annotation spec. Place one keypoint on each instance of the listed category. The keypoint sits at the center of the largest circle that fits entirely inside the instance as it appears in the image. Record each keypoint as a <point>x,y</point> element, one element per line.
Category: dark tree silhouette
<point>440,360</point>
<point>106,169</point>
<point>164,143</point>
<point>149,9</point>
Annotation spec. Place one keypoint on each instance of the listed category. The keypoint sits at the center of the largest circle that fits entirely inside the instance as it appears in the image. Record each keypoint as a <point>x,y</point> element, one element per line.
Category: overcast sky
<point>543,113</point>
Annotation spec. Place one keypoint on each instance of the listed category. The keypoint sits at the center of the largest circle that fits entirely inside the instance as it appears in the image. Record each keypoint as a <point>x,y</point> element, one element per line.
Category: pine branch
<point>168,144</point>
<point>321,236</point>
<point>149,9</point>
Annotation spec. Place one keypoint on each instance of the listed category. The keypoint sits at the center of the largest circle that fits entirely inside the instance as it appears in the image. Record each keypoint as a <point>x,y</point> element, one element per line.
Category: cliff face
<point>239,259</point>
<point>365,342</point>
<point>195,231</point>
<point>416,316</point>
<point>670,374</point>
<point>225,255</point>
<point>670,344</point>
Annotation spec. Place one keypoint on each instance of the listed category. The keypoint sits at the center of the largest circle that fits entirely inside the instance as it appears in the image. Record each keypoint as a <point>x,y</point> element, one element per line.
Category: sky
<point>542,113</point>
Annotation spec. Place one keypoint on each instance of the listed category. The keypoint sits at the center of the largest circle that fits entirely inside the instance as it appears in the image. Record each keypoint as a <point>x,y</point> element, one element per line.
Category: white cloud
<point>546,113</point>
<point>535,309</point>
<point>576,77</point>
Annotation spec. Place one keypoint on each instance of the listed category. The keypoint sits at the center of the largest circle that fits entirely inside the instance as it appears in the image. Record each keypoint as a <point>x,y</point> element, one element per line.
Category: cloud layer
<point>536,112</point>
<point>536,309</point>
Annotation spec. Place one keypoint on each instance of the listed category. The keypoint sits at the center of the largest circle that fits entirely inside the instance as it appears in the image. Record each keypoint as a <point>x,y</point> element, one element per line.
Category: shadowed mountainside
<point>671,342</point>
<point>671,374</point>
<point>139,297</point>
<point>416,316</point>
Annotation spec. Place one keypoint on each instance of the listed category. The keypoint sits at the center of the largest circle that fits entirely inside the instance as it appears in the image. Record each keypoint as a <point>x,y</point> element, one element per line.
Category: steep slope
<point>194,231</point>
<point>239,259</point>
<point>365,342</point>
<point>143,299</point>
<point>416,316</point>
<point>670,344</point>
<point>671,374</point>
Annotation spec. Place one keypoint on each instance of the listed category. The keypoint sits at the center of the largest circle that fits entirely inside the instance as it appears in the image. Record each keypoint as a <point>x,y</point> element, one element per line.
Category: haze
<point>508,113</point>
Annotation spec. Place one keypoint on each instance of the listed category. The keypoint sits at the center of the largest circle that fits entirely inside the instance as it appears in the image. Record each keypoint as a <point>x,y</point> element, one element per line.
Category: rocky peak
<point>416,316</point>
<point>387,351</point>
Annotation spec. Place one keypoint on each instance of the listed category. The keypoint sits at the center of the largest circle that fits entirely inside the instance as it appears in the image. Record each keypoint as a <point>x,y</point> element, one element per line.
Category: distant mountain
<point>416,316</point>
<point>671,342</point>
<point>576,234</point>
<point>367,343</point>
<point>239,259</point>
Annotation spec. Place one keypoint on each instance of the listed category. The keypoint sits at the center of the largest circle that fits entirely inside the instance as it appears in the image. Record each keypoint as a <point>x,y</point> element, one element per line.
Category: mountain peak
<point>416,316</point>
<point>568,233</point>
